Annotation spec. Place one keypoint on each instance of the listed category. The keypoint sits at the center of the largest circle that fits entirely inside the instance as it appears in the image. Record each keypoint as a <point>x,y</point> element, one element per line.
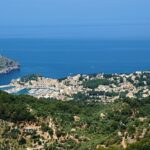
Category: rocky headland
<point>7,65</point>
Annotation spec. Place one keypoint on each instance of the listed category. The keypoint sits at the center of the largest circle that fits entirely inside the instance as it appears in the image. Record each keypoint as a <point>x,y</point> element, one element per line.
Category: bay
<point>57,58</point>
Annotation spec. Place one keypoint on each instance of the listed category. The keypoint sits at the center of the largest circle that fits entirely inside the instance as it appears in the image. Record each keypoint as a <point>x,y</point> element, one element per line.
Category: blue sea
<point>60,58</point>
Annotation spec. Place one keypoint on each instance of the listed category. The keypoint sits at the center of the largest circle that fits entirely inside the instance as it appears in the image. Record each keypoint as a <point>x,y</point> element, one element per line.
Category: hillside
<point>27,122</point>
<point>7,65</point>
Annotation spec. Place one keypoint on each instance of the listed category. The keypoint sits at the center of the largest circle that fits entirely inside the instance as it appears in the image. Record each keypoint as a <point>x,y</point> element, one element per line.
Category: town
<point>98,87</point>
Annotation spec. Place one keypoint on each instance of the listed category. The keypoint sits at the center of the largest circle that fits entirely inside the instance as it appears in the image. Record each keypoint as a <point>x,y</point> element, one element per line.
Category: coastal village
<point>99,87</point>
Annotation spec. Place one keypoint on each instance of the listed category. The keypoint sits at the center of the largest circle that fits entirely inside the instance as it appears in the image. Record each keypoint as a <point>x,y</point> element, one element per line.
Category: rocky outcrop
<point>7,65</point>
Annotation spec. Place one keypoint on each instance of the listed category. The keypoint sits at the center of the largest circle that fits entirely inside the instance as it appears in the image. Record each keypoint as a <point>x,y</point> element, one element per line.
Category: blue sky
<point>75,18</point>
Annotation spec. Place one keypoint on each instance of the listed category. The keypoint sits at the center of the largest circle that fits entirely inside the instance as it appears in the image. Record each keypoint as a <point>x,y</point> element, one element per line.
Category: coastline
<point>7,65</point>
<point>9,69</point>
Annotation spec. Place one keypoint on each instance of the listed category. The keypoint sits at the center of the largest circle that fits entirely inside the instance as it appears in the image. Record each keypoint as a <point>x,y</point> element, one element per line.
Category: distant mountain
<point>7,65</point>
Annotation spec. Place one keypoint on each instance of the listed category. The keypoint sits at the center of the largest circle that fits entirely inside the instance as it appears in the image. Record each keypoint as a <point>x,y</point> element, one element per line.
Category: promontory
<point>7,65</point>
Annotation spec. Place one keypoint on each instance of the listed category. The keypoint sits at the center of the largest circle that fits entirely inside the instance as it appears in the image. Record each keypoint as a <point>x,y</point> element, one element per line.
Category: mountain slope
<point>27,122</point>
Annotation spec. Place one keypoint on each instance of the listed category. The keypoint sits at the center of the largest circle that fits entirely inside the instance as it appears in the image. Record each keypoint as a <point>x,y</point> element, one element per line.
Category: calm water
<point>60,58</point>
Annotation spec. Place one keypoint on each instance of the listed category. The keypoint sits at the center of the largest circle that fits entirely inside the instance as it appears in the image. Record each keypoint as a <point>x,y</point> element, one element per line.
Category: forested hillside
<point>27,122</point>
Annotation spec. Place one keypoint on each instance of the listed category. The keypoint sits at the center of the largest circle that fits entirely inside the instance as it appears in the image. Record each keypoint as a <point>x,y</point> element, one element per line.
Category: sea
<point>58,58</point>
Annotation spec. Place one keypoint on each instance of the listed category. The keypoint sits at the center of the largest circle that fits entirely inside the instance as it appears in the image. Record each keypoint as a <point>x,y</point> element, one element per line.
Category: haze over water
<point>60,58</point>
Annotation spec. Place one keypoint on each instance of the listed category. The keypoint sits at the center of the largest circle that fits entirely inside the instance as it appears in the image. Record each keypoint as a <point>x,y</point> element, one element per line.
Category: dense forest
<point>27,122</point>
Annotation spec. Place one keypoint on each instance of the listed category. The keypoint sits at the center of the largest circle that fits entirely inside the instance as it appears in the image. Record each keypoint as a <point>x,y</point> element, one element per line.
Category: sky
<point>75,19</point>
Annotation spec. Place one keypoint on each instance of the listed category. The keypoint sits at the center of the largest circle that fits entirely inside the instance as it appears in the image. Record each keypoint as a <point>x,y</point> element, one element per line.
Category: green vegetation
<point>96,125</point>
<point>141,145</point>
<point>30,77</point>
<point>94,83</point>
<point>80,96</point>
<point>13,108</point>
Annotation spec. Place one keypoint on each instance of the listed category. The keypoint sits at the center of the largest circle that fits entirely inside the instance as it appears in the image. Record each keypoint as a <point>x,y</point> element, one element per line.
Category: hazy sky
<point>75,18</point>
